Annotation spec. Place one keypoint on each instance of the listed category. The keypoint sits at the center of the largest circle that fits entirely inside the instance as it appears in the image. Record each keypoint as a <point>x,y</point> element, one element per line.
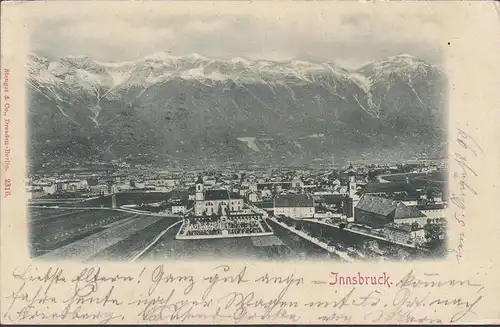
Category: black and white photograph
<point>194,134</point>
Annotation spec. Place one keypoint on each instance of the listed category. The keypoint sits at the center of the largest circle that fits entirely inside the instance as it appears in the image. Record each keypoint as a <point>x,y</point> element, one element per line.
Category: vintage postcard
<point>250,162</point>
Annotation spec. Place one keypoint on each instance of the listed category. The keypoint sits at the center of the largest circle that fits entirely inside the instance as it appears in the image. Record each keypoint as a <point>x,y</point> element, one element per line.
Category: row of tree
<point>312,229</point>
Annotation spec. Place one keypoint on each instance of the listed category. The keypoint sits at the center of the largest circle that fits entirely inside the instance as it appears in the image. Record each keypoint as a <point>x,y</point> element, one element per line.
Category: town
<point>347,212</point>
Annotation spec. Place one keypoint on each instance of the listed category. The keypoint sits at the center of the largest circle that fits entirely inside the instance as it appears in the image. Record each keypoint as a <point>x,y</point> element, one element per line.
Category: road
<point>301,247</point>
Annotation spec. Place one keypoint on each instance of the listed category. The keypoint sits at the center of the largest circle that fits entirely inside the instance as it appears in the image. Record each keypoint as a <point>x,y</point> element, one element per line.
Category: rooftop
<point>385,207</point>
<point>234,195</point>
<point>378,205</point>
<point>389,188</point>
<point>403,211</point>
<point>267,203</point>
<point>432,206</point>
<point>334,198</point>
<point>271,185</point>
<point>211,195</point>
<point>293,200</point>
<point>179,195</point>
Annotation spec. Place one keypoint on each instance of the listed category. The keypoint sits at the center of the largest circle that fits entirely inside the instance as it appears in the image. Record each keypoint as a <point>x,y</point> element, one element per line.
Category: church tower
<point>352,191</point>
<point>199,189</point>
<point>352,182</point>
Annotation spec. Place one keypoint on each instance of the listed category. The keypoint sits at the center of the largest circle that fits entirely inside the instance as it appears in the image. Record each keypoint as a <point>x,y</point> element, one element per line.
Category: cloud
<point>197,26</point>
<point>250,30</point>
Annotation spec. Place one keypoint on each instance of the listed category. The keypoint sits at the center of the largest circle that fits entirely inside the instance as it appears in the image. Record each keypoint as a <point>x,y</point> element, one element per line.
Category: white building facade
<point>297,206</point>
<point>215,201</point>
<point>178,209</point>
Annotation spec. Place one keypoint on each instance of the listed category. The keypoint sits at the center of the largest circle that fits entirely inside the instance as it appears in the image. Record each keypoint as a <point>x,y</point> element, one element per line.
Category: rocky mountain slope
<point>190,109</point>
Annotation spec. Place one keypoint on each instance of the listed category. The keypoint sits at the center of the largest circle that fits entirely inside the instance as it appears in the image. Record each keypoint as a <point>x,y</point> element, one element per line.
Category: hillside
<point>192,109</point>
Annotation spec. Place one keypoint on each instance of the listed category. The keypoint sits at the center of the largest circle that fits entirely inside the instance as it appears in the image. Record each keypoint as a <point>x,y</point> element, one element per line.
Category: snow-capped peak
<point>163,66</point>
<point>406,66</point>
<point>195,56</point>
<point>159,56</point>
<point>403,56</point>
<point>400,62</point>
<point>261,82</point>
<point>240,60</point>
<point>77,57</point>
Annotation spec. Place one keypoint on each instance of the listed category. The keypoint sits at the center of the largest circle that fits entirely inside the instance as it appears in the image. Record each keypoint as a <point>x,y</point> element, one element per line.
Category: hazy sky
<point>245,29</point>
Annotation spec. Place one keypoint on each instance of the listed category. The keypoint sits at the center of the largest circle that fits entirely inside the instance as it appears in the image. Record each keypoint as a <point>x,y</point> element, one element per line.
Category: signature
<point>469,149</point>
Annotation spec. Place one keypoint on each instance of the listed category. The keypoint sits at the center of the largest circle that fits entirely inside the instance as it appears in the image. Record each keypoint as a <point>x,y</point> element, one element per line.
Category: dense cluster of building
<point>361,196</point>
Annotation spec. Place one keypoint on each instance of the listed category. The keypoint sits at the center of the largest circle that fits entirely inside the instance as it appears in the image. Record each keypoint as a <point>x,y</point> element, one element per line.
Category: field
<point>131,246</point>
<point>103,234</point>
<point>437,176</point>
<point>53,228</point>
<point>91,234</point>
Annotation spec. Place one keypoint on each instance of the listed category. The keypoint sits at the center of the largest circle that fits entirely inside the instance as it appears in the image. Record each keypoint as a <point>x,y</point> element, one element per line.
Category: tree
<point>433,235</point>
<point>433,231</point>
<point>372,175</point>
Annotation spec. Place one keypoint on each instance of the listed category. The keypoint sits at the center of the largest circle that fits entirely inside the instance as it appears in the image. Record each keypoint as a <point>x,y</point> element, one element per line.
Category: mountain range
<point>192,109</point>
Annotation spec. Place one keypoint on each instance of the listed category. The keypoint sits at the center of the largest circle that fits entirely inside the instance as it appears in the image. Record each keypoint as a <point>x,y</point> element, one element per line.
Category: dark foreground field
<point>105,234</point>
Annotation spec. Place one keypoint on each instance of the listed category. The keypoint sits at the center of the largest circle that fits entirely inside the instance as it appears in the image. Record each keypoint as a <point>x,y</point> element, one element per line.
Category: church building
<point>215,201</point>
